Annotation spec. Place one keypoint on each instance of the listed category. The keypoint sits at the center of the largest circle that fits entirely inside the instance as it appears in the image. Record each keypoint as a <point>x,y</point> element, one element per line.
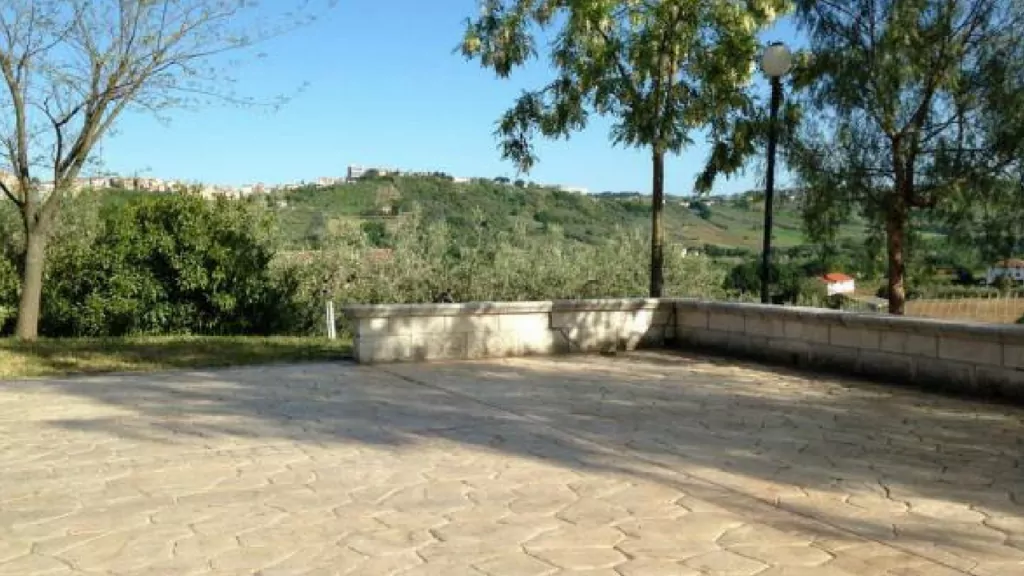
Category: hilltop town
<point>148,184</point>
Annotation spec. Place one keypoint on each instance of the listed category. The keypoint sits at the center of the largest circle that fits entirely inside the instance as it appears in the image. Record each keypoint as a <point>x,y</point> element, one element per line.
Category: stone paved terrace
<point>650,463</point>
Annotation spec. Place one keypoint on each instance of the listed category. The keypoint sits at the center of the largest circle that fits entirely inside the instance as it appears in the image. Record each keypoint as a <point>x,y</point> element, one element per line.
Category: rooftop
<point>833,277</point>
<point>646,463</point>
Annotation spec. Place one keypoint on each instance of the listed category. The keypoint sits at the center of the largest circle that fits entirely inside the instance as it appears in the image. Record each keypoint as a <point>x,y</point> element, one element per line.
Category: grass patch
<point>62,357</point>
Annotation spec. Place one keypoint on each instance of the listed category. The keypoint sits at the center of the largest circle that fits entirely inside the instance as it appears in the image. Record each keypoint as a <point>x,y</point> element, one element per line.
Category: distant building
<point>328,181</point>
<point>839,283</point>
<point>357,172</point>
<point>1012,268</point>
<point>574,189</point>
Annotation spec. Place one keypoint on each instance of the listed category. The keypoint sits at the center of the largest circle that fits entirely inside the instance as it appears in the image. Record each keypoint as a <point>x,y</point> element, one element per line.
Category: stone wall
<point>418,332</point>
<point>980,358</point>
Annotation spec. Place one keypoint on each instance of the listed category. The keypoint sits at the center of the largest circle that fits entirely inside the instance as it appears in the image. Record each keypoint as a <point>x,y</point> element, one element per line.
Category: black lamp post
<point>775,62</point>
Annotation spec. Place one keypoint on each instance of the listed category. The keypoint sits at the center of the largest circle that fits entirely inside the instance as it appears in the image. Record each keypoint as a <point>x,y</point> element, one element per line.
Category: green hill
<point>736,222</point>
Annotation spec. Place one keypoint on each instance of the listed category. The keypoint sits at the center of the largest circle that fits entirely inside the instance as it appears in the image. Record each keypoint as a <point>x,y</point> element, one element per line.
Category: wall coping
<point>1000,332</point>
<point>492,308</point>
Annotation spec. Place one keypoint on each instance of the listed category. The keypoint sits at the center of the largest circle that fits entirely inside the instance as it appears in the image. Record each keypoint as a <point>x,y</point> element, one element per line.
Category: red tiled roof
<point>836,277</point>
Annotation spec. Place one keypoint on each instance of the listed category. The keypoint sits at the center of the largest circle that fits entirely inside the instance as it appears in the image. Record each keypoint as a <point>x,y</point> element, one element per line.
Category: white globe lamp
<point>777,60</point>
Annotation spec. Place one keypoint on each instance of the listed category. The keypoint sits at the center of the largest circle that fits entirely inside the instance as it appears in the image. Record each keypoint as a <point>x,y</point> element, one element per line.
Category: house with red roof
<point>839,283</point>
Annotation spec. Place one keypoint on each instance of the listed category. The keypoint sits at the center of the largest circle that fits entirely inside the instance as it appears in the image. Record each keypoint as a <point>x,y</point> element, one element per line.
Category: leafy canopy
<point>911,104</point>
<point>659,69</point>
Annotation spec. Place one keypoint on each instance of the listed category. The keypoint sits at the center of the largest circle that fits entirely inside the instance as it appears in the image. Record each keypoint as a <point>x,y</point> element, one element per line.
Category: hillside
<point>305,214</point>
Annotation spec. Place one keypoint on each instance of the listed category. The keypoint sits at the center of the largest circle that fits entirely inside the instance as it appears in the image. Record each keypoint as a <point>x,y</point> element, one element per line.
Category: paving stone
<point>782,555</point>
<point>647,566</point>
<point>33,564</point>
<point>580,558</point>
<point>726,563</point>
<point>515,565</point>
<point>646,463</point>
<point>385,542</point>
<point>576,537</point>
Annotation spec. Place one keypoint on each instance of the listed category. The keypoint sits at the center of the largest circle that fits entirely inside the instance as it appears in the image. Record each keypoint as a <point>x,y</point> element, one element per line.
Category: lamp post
<point>775,62</point>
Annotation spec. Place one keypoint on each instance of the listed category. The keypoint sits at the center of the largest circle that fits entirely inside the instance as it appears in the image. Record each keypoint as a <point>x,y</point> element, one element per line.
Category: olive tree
<point>660,70</point>
<point>70,68</point>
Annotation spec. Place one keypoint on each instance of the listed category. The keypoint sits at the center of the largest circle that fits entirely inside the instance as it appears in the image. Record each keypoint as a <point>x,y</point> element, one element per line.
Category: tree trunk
<point>32,284</point>
<point>896,231</point>
<point>657,226</point>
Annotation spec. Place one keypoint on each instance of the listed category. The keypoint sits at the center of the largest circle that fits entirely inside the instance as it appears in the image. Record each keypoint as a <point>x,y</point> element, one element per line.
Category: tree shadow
<point>939,476</point>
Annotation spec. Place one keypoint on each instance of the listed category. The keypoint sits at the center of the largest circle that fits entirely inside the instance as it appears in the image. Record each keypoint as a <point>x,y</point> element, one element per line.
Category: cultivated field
<point>991,310</point>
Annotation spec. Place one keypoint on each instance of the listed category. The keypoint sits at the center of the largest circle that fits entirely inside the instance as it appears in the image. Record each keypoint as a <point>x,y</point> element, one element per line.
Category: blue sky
<point>383,87</point>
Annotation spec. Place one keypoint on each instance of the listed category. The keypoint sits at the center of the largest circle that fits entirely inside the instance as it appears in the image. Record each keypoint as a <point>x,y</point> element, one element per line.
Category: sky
<point>378,83</point>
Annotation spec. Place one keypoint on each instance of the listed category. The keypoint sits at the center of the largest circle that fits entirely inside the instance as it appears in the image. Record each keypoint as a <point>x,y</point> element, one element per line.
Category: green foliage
<point>9,290</point>
<point>1004,284</point>
<point>701,209</point>
<point>911,106</point>
<point>376,233</point>
<point>10,281</point>
<point>168,264</point>
<point>429,256</point>
<point>791,282</point>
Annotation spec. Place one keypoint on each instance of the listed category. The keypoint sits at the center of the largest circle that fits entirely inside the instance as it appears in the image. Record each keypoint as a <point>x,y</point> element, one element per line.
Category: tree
<point>659,69</point>
<point>70,68</point>
<point>918,106</point>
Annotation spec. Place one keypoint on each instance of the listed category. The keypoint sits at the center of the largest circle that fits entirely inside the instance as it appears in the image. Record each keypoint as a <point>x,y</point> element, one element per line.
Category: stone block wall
<point>974,358</point>
<point>984,359</point>
<point>419,332</point>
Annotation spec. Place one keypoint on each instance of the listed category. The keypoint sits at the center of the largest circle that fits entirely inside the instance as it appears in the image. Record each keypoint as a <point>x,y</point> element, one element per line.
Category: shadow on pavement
<point>888,464</point>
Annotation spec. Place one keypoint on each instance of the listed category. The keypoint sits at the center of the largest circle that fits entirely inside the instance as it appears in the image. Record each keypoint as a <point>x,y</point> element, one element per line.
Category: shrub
<point>9,292</point>
<point>168,264</point>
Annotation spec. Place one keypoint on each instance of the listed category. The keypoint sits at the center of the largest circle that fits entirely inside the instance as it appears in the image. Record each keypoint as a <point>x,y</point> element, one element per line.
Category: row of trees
<point>180,264</point>
<point>898,106</point>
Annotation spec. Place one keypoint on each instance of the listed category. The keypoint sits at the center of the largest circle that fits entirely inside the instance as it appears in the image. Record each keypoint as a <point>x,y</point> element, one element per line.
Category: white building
<point>838,283</point>
<point>574,189</point>
<point>357,172</point>
<point>1012,268</point>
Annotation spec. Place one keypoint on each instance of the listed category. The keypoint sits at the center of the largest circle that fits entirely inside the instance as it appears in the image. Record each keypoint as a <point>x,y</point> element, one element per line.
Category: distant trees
<point>659,69</point>
<point>701,209</point>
